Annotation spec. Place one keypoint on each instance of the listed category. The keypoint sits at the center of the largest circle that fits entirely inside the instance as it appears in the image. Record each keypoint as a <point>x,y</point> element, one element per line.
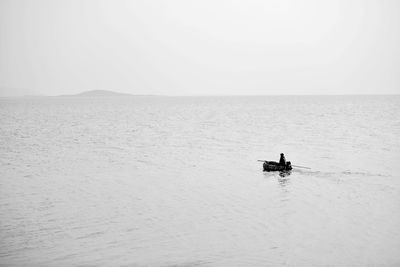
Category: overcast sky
<point>183,47</point>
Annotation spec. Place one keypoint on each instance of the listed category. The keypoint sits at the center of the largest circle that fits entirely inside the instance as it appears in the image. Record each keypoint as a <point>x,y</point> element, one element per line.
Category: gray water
<point>174,181</point>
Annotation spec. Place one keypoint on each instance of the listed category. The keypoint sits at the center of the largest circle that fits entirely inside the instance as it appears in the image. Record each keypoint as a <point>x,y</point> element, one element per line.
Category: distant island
<point>99,93</point>
<point>91,93</point>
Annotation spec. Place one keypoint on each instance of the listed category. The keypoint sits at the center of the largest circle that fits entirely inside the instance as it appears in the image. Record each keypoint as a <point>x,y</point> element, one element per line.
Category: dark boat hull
<point>271,166</point>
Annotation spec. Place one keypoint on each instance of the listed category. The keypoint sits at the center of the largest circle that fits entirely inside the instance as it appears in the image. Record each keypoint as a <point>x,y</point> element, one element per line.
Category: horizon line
<point>205,95</point>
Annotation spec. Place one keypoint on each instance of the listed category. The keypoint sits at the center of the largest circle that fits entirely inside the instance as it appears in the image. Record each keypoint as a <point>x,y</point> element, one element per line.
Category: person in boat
<point>282,160</point>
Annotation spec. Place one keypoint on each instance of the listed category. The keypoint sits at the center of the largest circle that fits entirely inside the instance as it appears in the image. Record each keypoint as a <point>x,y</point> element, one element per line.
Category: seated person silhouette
<point>282,160</point>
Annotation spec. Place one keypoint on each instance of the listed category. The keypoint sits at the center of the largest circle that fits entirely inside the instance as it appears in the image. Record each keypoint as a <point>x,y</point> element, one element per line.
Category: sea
<point>177,181</point>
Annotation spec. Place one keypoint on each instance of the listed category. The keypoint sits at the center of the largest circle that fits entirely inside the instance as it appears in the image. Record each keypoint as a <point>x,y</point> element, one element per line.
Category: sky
<point>207,47</point>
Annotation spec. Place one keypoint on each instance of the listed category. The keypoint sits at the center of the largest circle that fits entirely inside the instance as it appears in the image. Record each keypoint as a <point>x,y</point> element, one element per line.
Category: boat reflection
<point>285,173</point>
<point>284,181</point>
<point>282,177</point>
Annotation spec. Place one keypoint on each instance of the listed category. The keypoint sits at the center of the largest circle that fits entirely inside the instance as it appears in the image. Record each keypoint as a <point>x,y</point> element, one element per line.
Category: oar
<point>301,167</point>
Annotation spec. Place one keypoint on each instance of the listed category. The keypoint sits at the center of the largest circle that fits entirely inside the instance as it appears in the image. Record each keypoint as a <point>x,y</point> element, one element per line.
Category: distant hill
<point>99,93</point>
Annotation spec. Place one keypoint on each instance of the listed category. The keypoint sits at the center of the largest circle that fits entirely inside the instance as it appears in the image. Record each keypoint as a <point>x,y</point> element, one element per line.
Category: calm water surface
<point>174,181</point>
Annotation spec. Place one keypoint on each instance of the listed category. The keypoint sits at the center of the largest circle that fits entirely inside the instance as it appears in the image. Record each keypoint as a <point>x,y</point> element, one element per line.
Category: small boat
<point>271,166</point>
